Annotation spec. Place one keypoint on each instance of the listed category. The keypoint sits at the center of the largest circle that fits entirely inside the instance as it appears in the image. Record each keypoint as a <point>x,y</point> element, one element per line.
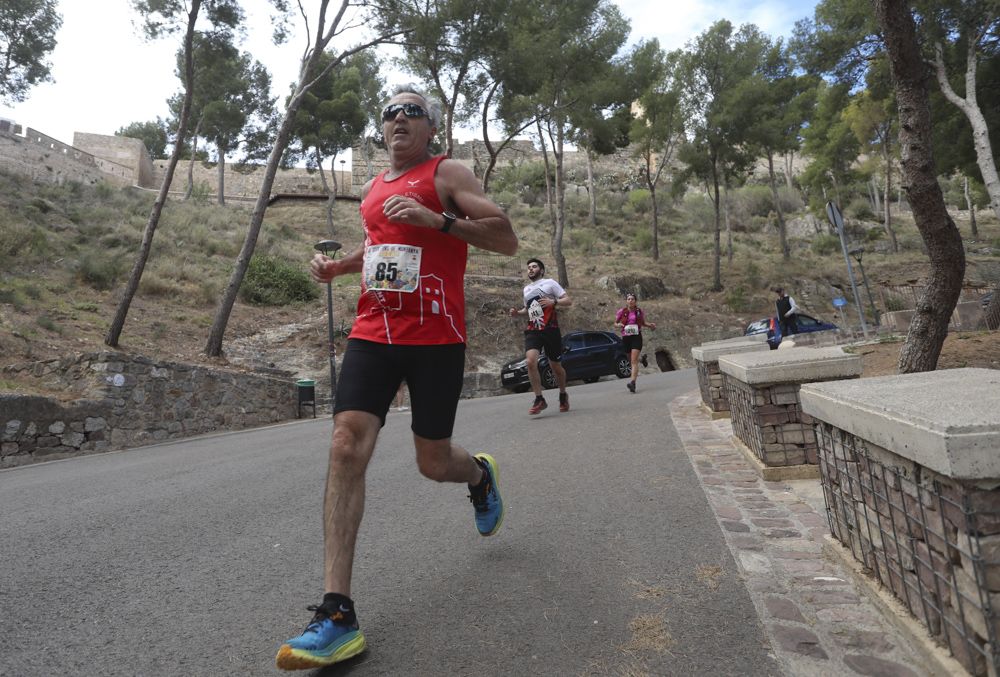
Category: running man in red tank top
<point>419,217</point>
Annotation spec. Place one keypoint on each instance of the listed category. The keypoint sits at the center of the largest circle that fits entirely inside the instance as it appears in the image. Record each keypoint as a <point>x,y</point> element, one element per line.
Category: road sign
<point>839,302</point>
<point>836,218</point>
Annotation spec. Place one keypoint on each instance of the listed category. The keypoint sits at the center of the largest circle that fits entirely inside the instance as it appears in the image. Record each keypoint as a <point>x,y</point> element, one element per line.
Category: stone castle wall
<point>48,160</point>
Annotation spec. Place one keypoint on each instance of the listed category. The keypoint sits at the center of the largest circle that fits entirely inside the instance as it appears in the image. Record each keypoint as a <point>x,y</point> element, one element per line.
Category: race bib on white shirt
<point>392,267</point>
<point>631,330</point>
<point>535,312</point>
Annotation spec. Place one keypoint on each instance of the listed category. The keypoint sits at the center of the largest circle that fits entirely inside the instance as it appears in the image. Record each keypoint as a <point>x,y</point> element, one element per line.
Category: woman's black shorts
<point>370,374</point>
<point>632,342</point>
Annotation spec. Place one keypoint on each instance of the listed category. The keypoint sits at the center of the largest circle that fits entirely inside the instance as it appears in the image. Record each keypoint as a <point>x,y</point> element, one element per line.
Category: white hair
<point>432,104</point>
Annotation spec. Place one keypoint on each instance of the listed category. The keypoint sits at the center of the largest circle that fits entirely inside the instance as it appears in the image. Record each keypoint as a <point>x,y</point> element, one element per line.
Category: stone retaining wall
<point>121,401</point>
<point>710,382</point>
<point>929,539</point>
<point>911,479</point>
<point>770,422</point>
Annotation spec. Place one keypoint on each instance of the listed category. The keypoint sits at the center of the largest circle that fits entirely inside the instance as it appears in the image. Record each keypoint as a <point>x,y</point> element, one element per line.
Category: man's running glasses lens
<point>410,110</point>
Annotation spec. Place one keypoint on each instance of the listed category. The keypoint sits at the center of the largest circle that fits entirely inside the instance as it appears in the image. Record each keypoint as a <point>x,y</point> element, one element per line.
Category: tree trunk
<point>716,235</point>
<point>194,151</point>
<point>591,190</point>
<point>887,219</point>
<point>118,323</point>
<point>557,235</point>
<point>929,325</point>
<point>307,78</point>
<point>331,197</point>
<point>782,230</point>
<point>970,107</point>
<point>729,228</point>
<point>549,199</point>
<point>221,198</point>
<point>369,159</point>
<point>789,156</point>
<point>972,210</point>
<point>651,185</point>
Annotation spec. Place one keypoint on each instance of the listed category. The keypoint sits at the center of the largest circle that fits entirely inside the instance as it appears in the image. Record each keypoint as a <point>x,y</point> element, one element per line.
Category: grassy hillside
<point>66,251</point>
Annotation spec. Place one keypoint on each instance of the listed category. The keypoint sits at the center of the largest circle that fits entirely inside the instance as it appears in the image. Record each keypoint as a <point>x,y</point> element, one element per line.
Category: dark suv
<point>587,356</point>
<point>805,323</point>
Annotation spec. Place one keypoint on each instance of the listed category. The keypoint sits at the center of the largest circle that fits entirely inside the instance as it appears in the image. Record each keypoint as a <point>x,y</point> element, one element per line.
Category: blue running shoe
<point>329,638</point>
<point>486,497</point>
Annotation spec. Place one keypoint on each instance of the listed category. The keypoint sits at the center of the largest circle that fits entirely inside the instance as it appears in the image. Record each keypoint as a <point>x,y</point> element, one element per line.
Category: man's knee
<point>434,459</point>
<point>352,440</point>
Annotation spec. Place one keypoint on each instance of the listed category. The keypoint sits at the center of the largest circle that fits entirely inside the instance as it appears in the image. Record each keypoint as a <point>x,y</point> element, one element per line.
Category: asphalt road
<point>199,557</point>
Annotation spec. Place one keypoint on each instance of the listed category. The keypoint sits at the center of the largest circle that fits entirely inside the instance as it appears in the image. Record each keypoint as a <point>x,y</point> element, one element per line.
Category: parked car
<point>587,356</point>
<point>770,325</point>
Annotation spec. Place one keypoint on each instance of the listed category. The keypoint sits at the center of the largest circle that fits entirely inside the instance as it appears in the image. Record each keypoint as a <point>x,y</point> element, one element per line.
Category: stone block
<point>947,420</point>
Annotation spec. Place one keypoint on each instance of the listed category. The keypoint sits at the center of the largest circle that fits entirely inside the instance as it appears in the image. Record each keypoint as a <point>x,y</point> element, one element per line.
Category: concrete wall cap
<point>947,420</point>
<point>710,352</point>
<point>794,365</point>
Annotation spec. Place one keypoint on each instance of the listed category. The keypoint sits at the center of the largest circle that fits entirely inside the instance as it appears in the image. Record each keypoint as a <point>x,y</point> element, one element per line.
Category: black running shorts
<point>632,342</point>
<point>370,374</point>
<point>549,340</point>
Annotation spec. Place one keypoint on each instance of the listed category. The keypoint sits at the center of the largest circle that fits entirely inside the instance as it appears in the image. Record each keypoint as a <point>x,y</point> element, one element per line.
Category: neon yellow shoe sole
<point>289,658</point>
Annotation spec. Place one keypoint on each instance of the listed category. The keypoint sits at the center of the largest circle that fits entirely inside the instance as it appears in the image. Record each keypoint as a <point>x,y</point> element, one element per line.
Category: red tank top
<point>427,265</point>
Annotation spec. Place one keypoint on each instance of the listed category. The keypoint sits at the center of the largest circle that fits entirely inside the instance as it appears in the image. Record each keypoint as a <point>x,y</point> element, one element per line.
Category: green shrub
<point>584,240</point>
<point>859,208</point>
<point>18,240</point>
<point>639,200</point>
<point>825,244</point>
<point>736,300</point>
<point>12,297</point>
<point>47,323</point>
<point>272,282</point>
<point>100,272</point>
<point>104,190</point>
<point>643,240</point>
<point>894,303</point>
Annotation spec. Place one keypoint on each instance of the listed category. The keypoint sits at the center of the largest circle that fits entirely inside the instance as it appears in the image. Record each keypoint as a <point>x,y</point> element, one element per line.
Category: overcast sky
<point>106,76</point>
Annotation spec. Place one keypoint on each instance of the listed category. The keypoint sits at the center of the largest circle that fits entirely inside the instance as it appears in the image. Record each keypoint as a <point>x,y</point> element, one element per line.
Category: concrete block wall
<point>121,401</point>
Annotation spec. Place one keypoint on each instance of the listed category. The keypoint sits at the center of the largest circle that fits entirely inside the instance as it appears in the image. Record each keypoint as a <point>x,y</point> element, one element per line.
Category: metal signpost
<point>837,219</point>
<point>858,253</point>
<point>329,248</point>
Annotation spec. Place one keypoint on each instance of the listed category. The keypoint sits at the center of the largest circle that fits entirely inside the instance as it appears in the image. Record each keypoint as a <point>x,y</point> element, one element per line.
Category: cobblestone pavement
<point>818,622</point>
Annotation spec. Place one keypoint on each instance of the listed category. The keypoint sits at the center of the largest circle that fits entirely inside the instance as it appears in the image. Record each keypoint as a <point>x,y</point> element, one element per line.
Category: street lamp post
<point>329,248</point>
<point>343,189</point>
<point>858,253</point>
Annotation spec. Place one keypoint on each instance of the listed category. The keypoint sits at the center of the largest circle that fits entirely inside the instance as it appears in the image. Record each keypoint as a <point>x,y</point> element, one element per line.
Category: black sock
<point>334,602</point>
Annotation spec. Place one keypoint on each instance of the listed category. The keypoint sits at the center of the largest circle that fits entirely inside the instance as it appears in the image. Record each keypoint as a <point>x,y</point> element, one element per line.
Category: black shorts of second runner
<point>549,340</point>
<point>370,374</point>
<point>632,342</point>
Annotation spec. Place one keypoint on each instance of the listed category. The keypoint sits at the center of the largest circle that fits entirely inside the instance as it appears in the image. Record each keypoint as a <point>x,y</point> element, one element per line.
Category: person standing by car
<point>542,295</point>
<point>787,311</point>
<point>630,320</point>
<point>419,216</point>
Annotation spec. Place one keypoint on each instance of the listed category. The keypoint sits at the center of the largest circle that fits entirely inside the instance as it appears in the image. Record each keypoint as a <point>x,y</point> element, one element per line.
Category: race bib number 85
<point>392,267</point>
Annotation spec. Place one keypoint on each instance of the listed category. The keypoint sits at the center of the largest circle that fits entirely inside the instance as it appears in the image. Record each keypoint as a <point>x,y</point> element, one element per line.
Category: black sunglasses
<point>410,110</point>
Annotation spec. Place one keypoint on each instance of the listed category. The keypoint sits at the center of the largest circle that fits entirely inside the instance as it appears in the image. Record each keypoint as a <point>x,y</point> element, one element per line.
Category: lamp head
<point>327,246</point>
<point>857,253</point>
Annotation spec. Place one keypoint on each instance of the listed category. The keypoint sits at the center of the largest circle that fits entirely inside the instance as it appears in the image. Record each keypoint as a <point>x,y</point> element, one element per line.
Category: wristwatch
<point>449,221</point>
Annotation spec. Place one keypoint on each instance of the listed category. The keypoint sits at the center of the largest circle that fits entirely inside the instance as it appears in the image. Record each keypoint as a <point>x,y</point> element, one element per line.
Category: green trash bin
<point>306,388</point>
